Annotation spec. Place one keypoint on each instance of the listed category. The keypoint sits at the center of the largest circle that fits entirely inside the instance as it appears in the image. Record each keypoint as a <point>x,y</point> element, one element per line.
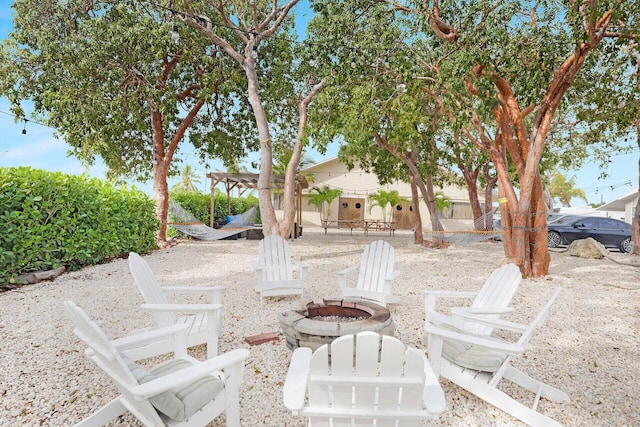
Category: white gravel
<point>588,347</point>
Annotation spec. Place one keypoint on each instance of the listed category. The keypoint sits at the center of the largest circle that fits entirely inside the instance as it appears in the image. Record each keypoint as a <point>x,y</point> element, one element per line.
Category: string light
<point>24,129</point>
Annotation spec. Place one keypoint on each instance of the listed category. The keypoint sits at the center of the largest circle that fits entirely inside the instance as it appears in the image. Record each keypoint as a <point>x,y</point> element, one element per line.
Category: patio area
<point>587,348</point>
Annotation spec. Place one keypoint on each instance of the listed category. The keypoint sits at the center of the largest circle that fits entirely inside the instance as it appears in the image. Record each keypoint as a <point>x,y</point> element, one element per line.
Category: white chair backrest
<point>150,289</point>
<point>275,258</point>
<point>496,293</point>
<point>352,375</point>
<point>103,352</point>
<point>376,263</point>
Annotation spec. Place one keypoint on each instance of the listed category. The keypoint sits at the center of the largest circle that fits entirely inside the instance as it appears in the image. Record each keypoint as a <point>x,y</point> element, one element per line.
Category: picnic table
<point>364,224</point>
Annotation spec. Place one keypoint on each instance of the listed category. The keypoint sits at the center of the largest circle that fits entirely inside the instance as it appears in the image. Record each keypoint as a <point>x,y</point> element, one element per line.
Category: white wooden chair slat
<point>375,274</point>
<point>366,366</point>
<point>343,366</point>
<point>366,379</point>
<point>319,363</point>
<point>204,320</point>
<point>274,269</point>
<point>485,384</point>
<point>391,365</point>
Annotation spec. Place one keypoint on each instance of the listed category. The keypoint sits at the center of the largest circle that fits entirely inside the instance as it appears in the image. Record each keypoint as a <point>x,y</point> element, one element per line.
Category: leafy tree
<point>114,84</point>
<point>564,189</point>
<point>516,62</point>
<point>322,198</point>
<point>386,123</point>
<point>262,22</point>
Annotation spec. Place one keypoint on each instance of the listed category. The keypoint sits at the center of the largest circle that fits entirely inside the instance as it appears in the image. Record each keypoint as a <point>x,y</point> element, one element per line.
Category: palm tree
<point>564,189</point>
<point>189,177</point>
<point>383,199</point>
<point>442,201</point>
<point>322,198</point>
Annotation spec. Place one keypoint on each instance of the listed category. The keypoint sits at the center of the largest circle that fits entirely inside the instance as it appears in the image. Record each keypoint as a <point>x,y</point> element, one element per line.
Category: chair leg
<point>104,415</point>
<point>495,397</point>
<point>212,346</point>
<point>523,380</point>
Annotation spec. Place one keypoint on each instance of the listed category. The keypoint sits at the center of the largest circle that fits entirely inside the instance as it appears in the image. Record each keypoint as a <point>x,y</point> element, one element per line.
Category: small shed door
<point>403,216</point>
<point>350,209</point>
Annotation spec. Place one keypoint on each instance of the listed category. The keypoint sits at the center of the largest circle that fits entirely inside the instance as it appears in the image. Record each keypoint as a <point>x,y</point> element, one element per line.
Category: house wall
<point>359,184</point>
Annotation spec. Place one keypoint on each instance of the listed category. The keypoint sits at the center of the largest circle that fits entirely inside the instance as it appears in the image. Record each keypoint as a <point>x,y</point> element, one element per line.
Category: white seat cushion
<point>182,402</point>
<point>471,356</point>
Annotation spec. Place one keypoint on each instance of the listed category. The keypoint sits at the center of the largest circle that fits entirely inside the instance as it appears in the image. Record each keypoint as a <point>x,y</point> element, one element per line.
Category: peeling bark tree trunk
<point>162,160</point>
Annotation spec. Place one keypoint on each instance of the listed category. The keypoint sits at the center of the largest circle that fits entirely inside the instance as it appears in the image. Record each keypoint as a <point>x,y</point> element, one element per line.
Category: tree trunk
<point>418,236</point>
<point>290,184</point>
<point>270,224</point>
<point>471,179</point>
<point>635,222</point>
<point>490,183</point>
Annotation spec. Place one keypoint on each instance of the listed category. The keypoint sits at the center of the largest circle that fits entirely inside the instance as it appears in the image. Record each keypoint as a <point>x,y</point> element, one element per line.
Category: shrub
<point>52,219</point>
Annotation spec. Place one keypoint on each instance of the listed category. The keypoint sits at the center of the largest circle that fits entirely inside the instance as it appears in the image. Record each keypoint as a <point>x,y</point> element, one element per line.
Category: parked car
<point>497,224</point>
<point>612,233</point>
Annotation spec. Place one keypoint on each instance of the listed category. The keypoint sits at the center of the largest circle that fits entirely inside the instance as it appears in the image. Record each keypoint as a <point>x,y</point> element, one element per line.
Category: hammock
<point>186,223</point>
<point>478,234</point>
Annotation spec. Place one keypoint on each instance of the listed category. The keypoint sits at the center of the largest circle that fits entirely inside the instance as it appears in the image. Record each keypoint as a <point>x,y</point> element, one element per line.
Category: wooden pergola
<point>244,181</point>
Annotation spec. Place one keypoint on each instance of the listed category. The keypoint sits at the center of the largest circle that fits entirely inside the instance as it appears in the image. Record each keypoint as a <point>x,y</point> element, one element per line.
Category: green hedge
<point>51,219</point>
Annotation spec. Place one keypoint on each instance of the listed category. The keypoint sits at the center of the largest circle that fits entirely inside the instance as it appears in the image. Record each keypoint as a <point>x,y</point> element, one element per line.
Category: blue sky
<point>39,148</point>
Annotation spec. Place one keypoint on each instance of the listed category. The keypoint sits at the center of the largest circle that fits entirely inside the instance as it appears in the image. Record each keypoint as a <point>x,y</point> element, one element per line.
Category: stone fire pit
<point>320,324</point>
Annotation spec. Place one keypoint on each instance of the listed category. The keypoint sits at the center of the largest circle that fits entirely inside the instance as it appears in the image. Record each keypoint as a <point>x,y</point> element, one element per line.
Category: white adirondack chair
<point>275,269</point>
<point>375,275</point>
<point>478,363</point>
<point>203,320</point>
<point>377,379</point>
<point>491,301</point>
<point>179,392</point>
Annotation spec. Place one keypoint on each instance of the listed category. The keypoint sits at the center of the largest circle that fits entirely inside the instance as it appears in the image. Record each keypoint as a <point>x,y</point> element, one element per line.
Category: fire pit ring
<point>319,324</point>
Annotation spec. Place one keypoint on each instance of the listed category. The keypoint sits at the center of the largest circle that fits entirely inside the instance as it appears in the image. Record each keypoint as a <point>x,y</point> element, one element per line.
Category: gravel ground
<point>588,346</point>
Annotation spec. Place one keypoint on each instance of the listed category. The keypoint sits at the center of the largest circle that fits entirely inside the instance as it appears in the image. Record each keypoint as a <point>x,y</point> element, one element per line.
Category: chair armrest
<point>185,308</point>
<point>300,264</point>
<point>393,275</point>
<point>304,268</point>
<point>149,336</point>
<point>295,384</point>
<point>481,341</point>
<point>450,294</point>
<point>190,374</point>
<point>348,270</point>
<point>256,265</point>
<point>433,395</point>
<point>193,289</point>
<point>461,311</point>
<point>495,323</point>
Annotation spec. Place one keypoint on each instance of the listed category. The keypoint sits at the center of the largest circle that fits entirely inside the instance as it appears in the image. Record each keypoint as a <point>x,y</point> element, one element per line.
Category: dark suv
<point>612,233</point>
